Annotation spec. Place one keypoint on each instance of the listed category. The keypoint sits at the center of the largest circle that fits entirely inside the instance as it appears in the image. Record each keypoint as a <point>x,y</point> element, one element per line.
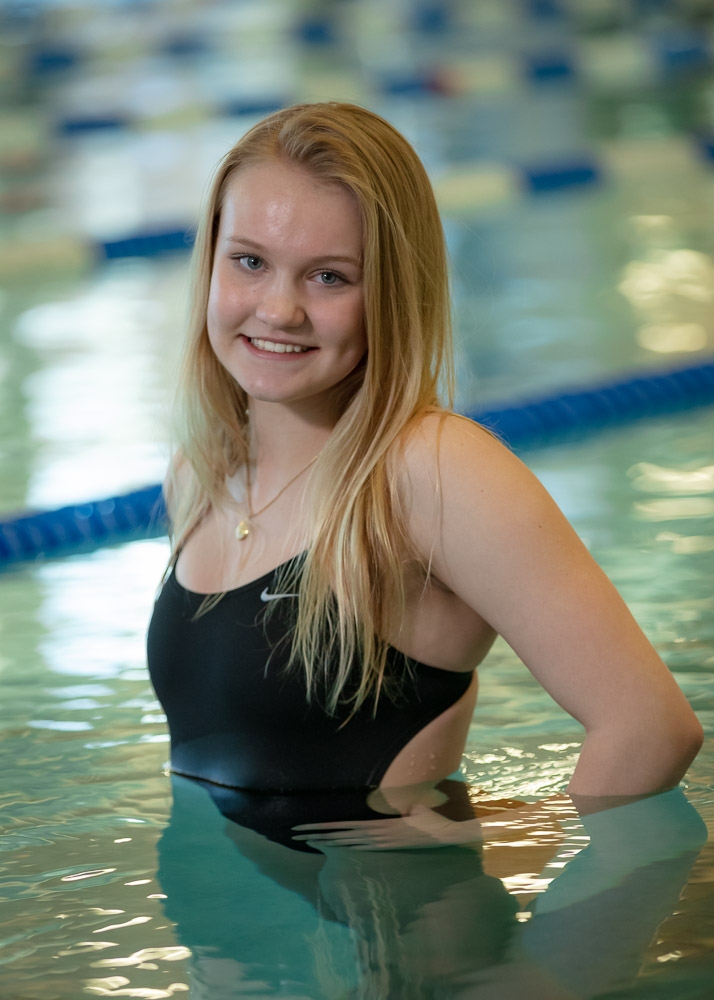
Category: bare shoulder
<point>449,460</point>
<point>430,432</point>
<point>448,437</point>
<point>479,516</point>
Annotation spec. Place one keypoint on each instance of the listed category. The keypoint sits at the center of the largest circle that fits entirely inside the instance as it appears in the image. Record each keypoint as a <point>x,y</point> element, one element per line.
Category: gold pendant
<point>243,530</point>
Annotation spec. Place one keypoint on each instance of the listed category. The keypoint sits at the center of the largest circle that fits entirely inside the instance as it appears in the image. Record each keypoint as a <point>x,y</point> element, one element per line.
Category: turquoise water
<point>114,881</point>
<point>92,847</point>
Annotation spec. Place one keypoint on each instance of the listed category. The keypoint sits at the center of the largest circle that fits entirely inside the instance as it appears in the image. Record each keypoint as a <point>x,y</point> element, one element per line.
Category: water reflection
<point>348,918</point>
<point>687,544</point>
<point>651,478</point>
<point>670,510</point>
<point>685,273</point>
<point>670,289</point>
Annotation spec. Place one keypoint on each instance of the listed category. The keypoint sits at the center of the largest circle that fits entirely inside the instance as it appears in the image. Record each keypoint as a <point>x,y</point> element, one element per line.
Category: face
<point>286,306</point>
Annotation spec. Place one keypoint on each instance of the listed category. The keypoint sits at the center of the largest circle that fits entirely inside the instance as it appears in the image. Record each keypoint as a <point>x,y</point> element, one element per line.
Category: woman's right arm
<point>497,540</point>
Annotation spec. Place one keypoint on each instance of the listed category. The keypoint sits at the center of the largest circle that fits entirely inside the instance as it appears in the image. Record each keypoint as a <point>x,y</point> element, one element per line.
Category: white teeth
<point>271,345</point>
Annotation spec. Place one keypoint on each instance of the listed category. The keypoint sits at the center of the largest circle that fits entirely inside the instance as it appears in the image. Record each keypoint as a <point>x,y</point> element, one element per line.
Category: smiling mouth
<point>276,348</point>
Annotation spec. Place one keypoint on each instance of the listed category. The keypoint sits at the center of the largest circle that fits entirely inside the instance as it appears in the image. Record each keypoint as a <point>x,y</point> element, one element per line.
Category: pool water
<point>117,880</point>
<point>108,889</point>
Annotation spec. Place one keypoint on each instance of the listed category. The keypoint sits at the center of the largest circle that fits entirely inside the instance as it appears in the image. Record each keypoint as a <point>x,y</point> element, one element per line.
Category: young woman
<point>345,547</point>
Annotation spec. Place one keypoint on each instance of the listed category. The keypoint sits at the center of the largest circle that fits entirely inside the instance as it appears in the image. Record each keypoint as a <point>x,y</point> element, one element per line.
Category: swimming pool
<point>85,804</point>
<point>115,882</point>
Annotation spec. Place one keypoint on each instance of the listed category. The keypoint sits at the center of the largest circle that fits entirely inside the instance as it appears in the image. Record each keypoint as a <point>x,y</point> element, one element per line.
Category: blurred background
<point>570,142</point>
<point>571,146</point>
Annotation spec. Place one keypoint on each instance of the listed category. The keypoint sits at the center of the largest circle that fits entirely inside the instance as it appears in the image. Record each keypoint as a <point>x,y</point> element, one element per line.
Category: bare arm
<point>498,541</point>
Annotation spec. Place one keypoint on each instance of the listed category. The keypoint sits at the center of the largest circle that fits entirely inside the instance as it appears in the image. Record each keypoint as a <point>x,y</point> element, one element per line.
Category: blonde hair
<point>351,580</point>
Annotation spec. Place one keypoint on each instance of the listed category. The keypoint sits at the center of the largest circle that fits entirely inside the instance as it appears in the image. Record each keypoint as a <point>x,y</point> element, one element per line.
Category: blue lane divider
<point>667,51</point>
<point>518,182</point>
<point>559,176</point>
<point>550,67</point>
<point>528,181</point>
<point>540,421</point>
<point>146,244</point>
<point>82,527</point>
<point>527,424</point>
<point>683,52</point>
<point>84,124</point>
<point>544,10</point>
<point>667,61</point>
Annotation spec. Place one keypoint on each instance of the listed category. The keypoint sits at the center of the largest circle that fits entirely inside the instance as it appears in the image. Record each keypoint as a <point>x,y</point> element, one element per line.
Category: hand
<point>421,828</point>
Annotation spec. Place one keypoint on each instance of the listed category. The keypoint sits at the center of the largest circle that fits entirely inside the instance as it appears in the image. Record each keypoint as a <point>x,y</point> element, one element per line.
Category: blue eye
<point>329,278</point>
<point>250,262</point>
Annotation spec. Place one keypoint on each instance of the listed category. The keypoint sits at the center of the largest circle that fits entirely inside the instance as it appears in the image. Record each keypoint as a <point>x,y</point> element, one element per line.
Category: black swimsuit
<point>239,719</point>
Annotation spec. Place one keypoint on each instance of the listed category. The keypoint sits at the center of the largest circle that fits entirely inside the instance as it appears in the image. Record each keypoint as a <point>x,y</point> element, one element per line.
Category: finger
<point>357,824</point>
<point>376,847</point>
<point>332,838</point>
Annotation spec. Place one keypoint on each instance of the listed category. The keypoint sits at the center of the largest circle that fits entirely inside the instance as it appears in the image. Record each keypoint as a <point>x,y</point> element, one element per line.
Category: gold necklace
<point>245,526</point>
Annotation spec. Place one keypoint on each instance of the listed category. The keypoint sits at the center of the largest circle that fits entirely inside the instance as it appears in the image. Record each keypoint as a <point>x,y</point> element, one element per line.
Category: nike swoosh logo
<point>265,596</point>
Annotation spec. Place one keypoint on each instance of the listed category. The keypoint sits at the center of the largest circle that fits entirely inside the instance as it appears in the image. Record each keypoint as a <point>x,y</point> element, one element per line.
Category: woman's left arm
<point>497,540</point>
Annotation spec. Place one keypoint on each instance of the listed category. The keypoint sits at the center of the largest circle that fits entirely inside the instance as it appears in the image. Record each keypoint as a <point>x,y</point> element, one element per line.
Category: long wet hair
<point>351,581</point>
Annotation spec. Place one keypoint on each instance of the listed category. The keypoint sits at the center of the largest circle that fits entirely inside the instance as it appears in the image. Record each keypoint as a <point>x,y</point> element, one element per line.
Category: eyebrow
<point>322,258</point>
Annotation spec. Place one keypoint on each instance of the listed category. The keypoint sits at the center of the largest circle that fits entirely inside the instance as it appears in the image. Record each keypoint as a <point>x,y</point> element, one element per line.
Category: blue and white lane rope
<point>642,57</point>
<point>468,190</point>
<point>83,527</point>
<point>605,63</point>
<point>464,191</point>
<point>544,420</point>
<point>597,67</point>
<point>527,424</point>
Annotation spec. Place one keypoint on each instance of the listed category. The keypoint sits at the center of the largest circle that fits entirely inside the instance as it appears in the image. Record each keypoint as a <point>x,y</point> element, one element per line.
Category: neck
<point>282,440</point>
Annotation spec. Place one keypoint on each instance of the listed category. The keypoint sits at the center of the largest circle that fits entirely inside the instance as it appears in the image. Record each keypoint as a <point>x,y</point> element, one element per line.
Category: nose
<point>279,305</point>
